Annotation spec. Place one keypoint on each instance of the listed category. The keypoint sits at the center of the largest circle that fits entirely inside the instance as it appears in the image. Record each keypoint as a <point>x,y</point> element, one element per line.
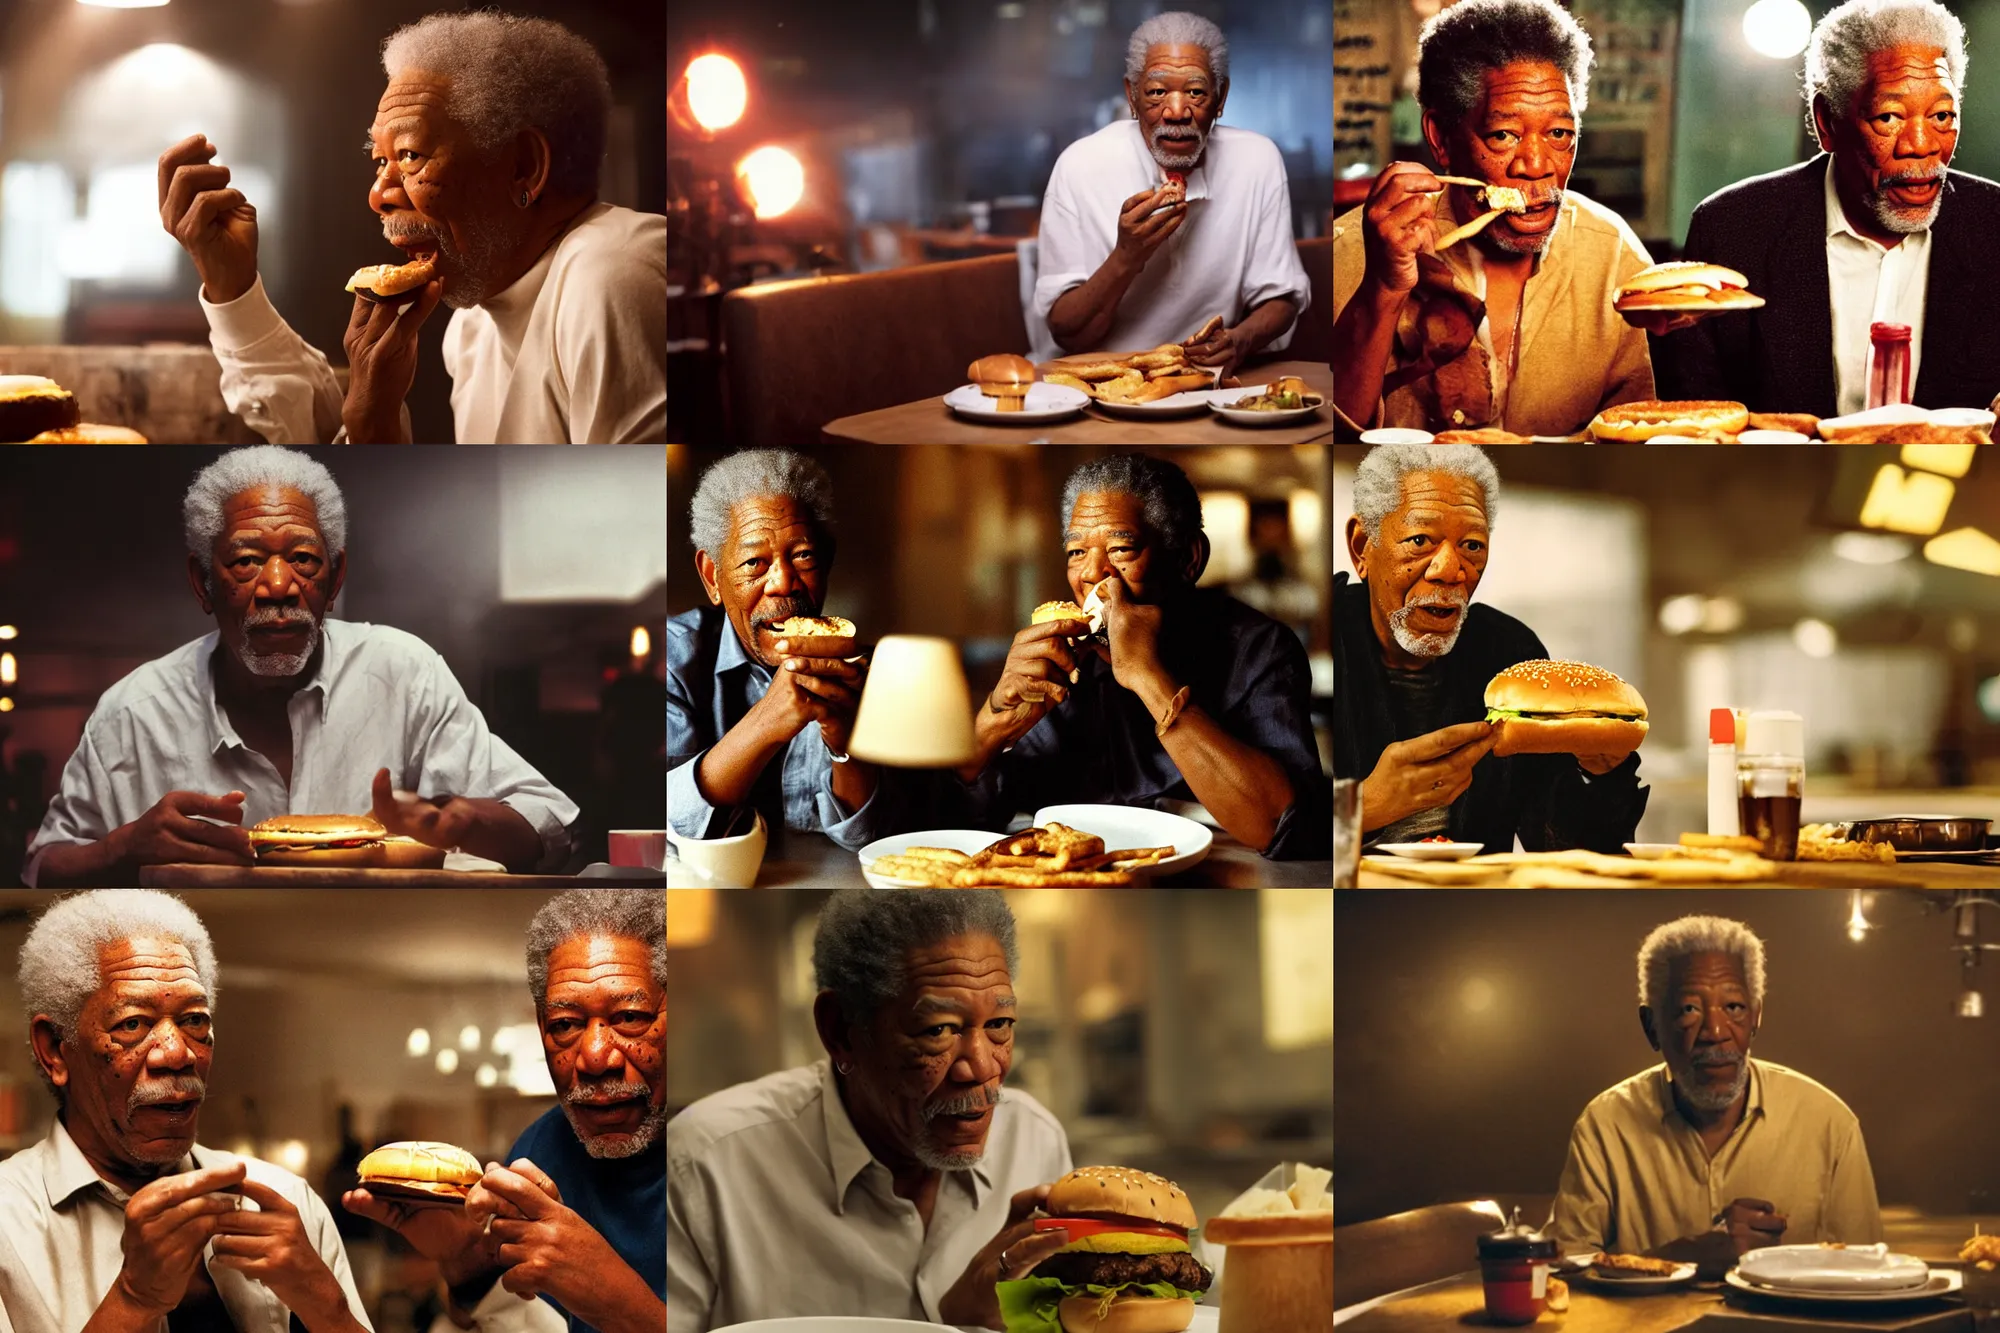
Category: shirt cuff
<point>548,826</point>
<point>688,811</point>
<point>852,831</point>
<point>249,319</point>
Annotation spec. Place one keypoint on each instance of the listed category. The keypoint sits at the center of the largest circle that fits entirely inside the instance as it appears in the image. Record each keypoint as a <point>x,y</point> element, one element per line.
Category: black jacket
<point>1779,358</point>
<point>1545,798</point>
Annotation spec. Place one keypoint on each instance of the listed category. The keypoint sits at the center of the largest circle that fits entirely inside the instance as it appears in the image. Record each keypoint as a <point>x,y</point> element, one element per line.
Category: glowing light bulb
<point>418,1043</point>
<point>447,1060</point>
<point>1779,29</point>
<point>717,91</point>
<point>774,180</point>
<point>642,642</point>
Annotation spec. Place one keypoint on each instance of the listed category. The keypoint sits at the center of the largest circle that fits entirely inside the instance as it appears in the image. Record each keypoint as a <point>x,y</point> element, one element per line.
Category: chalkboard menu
<point>1365,38</point>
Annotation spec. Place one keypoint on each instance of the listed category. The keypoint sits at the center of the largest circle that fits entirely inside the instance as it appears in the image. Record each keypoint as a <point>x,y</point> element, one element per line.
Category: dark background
<point>1436,1101</point>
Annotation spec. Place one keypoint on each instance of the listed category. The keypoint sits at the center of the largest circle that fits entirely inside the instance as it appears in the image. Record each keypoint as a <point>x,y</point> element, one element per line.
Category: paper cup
<point>644,848</point>
<point>722,863</point>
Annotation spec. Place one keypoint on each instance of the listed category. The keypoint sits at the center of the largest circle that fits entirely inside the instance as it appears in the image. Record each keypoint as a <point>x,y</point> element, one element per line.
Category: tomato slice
<point>1078,1227</point>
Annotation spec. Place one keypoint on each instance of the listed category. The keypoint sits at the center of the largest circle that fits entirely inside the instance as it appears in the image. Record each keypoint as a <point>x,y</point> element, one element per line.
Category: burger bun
<point>1136,1314</point>
<point>1595,735</point>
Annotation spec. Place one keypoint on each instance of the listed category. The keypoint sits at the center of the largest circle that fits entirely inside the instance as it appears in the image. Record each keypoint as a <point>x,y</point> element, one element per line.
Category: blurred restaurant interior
<point>536,574</point>
<point>1188,1033</point>
<point>1452,1092</point>
<point>965,543</point>
<point>1859,587</point>
<point>901,148</point>
<point>346,1018</point>
<point>94,91</point>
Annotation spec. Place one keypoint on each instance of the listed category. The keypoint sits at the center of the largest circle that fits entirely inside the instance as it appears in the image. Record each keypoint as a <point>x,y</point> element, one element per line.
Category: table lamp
<point>915,711</point>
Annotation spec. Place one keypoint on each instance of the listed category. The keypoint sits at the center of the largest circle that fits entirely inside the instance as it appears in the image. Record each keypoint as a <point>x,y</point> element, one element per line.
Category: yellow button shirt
<point>1638,1175</point>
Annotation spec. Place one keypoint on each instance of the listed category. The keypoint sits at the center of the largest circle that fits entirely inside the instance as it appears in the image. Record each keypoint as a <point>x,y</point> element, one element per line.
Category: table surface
<point>814,861</point>
<point>1459,1302</point>
<point>1791,875</point>
<point>360,877</point>
<point>929,421</point>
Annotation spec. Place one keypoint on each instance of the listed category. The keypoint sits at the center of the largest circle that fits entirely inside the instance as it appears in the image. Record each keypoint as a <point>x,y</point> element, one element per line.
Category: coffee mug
<point>720,863</point>
<point>645,848</point>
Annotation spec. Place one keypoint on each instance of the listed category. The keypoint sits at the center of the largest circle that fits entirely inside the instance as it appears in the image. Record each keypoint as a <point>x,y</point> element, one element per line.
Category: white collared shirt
<point>60,1230</point>
<point>574,352</point>
<point>1235,251</point>
<point>1867,285</point>
<point>776,1208</point>
<point>379,698</point>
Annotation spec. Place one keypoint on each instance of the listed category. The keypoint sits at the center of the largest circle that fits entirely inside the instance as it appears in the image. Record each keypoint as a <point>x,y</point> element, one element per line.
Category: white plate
<point>1207,1319</point>
<point>1869,1268</point>
<point>1652,851</point>
<point>1432,851</point>
<point>1395,435</point>
<point>1045,402</point>
<point>1219,401</point>
<point>1773,437</point>
<point>832,1323</point>
<point>1683,1273</point>
<point>1133,826</point>
<point>967,840</point>
<point>1944,1281</point>
<point>1186,403</point>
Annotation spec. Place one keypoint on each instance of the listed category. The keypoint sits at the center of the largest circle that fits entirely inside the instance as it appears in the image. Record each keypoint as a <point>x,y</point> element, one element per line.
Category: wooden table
<point>814,861</point>
<point>1459,1302</point>
<point>929,421</point>
<point>1791,875</point>
<point>187,876</point>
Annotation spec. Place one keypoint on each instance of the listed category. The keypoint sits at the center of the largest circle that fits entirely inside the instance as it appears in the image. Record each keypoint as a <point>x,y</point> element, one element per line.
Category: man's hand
<point>1597,765</point>
<point>166,1224</point>
<point>1660,322</point>
<point>971,1301</point>
<point>1037,675</point>
<point>169,832</point>
<point>215,225</point>
<point>1134,631</point>
<point>826,690</point>
<point>271,1247</point>
<point>1224,349</point>
<point>1141,231</point>
<point>452,1238</point>
<point>1399,223</point>
<point>549,1250</point>
<point>1753,1224</point>
<point>1423,773</point>
<point>411,816</point>
<point>381,348</point>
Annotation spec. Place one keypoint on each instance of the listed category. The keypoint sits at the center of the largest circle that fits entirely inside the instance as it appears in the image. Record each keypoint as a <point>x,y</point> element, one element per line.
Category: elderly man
<point>1712,1153</point>
<point>1153,225</point>
<point>895,1178</point>
<point>1513,328</point>
<point>1411,661</point>
<point>282,709</point>
<point>578,1217</point>
<point>119,1221</point>
<point>1849,239</point>
<point>484,155</point>
<point>754,718</point>
<point>1192,695</point>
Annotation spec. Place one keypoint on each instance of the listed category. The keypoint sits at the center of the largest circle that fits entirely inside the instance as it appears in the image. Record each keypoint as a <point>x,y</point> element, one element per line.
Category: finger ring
<point>1005,1262</point>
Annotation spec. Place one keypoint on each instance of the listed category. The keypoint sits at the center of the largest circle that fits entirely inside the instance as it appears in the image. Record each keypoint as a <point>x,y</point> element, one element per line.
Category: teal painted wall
<point>1736,113</point>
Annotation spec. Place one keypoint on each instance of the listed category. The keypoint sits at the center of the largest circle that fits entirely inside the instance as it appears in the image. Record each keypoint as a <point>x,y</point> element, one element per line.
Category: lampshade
<point>915,709</point>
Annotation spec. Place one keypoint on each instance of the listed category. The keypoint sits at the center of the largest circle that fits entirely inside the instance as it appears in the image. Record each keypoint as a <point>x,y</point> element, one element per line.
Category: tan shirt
<point>1577,355</point>
<point>776,1208</point>
<point>1638,1175</point>
<point>60,1230</point>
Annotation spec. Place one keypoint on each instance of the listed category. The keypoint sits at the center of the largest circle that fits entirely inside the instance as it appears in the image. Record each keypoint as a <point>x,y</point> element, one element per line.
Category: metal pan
<point>1924,833</point>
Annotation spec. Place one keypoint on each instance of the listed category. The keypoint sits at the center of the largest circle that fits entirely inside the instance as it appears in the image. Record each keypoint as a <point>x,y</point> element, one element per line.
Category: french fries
<point>1051,857</point>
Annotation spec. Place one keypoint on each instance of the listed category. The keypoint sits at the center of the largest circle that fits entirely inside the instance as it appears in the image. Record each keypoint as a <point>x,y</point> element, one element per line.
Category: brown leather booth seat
<point>802,353</point>
<point>1389,1254</point>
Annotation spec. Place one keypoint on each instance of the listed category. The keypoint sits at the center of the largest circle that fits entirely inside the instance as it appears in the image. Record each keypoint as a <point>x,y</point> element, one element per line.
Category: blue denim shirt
<point>711,683</point>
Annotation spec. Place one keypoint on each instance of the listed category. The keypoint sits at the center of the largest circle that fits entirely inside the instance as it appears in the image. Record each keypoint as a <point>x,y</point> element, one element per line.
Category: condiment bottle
<point>1723,818</point>
<point>1888,364</point>
<point>1771,781</point>
<point>1514,1261</point>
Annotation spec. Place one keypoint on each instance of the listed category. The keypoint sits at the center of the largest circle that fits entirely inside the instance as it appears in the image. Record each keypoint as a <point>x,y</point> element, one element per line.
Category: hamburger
<point>421,1172</point>
<point>1686,286</point>
<point>1004,378</point>
<point>377,281</point>
<point>31,405</point>
<point>319,841</point>
<point>813,627</point>
<point>89,433</point>
<point>1128,1267</point>
<point>1544,707</point>
<point>1635,423</point>
<point>1057,611</point>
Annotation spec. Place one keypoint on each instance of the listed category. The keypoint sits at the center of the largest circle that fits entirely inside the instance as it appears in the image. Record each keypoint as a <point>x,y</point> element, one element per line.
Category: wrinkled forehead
<point>1113,511</point>
<point>1431,494</point>
<point>413,100</point>
<point>147,968</point>
<point>1527,87</point>
<point>1714,970</point>
<point>765,519</point>
<point>1907,70</point>
<point>1181,60</point>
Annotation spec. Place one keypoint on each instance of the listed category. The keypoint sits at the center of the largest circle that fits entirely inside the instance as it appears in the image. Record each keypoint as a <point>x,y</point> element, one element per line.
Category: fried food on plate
<point>1634,1265</point>
<point>1055,856</point>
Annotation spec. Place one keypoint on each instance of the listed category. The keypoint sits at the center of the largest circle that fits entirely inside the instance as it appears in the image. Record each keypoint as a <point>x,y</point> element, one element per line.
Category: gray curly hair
<point>746,475</point>
<point>864,938</point>
<point>255,469</point>
<point>510,74</point>
<point>1460,43</point>
<point>1693,935</point>
<point>1378,482</point>
<point>627,914</point>
<point>1842,41</point>
<point>1176,28</point>
<point>58,964</point>
<point>1172,506</point>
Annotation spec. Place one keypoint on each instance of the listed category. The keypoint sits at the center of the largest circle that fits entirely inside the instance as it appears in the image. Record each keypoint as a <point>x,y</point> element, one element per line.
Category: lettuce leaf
<point>1028,1305</point>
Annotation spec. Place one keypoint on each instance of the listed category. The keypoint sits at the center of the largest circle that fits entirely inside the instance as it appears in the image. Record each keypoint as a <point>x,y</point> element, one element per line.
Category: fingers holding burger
<point>1127,1267</point>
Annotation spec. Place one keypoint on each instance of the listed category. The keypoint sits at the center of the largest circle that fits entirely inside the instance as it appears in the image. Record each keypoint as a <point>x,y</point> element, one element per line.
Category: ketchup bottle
<point>1888,364</point>
<point>1514,1261</point>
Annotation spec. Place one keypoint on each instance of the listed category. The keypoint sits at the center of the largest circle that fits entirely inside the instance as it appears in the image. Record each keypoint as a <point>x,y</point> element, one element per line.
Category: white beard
<point>1417,643</point>
<point>1704,1099</point>
<point>275,664</point>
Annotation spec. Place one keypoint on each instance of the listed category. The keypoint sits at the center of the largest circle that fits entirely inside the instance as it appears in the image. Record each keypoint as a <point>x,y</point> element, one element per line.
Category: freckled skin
<point>270,553</point>
<point>605,1021</point>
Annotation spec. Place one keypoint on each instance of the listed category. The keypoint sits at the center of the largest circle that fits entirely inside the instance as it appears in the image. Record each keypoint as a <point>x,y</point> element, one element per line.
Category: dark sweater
<point>1547,799</point>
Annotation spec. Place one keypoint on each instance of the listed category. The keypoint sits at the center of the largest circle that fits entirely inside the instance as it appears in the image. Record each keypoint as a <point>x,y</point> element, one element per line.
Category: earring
<point>526,199</point>
<point>842,1068</point>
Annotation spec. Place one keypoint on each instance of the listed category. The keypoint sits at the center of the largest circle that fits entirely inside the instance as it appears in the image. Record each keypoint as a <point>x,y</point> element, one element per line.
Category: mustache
<point>966,1104</point>
<point>783,608</point>
<point>1701,1059</point>
<point>1909,178</point>
<point>601,1094</point>
<point>396,230</point>
<point>278,615</point>
<point>1457,597</point>
<point>177,1088</point>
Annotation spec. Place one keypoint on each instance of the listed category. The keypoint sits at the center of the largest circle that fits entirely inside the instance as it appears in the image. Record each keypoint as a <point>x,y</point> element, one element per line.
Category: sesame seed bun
<point>1119,1191</point>
<point>1573,708</point>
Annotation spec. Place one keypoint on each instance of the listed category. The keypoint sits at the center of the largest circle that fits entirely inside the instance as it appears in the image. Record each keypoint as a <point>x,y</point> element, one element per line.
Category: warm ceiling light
<point>447,1060</point>
<point>1906,501</point>
<point>1872,548</point>
<point>6,704</point>
<point>717,91</point>
<point>1721,615</point>
<point>1682,614</point>
<point>9,632</point>
<point>418,1042</point>
<point>1967,549</point>
<point>123,4</point>
<point>1815,638</point>
<point>642,642</point>
<point>1778,29</point>
<point>774,180</point>
<point>10,670</point>
<point>1952,460</point>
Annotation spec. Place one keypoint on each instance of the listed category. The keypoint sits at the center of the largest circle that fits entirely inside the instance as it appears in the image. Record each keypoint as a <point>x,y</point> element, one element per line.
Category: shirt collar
<point>731,654</point>
<point>1838,225</point>
<point>512,307</point>
<point>1196,180</point>
<point>848,1156</point>
<point>221,733</point>
<point>66,1172</point>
